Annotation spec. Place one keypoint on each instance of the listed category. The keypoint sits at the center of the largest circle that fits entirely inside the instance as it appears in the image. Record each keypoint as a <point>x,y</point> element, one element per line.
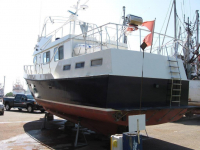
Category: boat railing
<point>107,35</point>
<point>33,69</point>
<point>110,35</point>
<point>28,69</point>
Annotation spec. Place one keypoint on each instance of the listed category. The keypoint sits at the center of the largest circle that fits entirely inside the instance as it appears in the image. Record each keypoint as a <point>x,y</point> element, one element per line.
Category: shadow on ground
<point>156,144</point>
<point>193,120</point>
<point>55,137</point>
<point>25,111</point>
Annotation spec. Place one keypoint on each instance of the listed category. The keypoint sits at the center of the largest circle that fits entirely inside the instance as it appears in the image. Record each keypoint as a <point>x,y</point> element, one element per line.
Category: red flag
<point>149,25</point>
<point>149,38</point>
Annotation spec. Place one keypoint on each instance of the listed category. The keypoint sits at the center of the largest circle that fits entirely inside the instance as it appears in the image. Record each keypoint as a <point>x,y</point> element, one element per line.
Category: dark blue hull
<point>107,91</point>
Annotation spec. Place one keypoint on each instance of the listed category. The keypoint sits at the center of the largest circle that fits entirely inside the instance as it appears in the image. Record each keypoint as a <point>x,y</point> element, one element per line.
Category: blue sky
<point>21,22</point>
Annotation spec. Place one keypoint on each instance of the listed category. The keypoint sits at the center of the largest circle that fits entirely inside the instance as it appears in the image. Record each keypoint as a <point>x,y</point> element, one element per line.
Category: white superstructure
<point>80,49</point>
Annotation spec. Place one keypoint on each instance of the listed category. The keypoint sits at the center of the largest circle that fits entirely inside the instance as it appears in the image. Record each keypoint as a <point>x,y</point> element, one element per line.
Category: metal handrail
<point>100,31</point>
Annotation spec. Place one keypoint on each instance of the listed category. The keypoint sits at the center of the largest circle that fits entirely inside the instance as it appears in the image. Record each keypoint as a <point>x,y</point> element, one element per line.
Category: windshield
<point>29,97</point>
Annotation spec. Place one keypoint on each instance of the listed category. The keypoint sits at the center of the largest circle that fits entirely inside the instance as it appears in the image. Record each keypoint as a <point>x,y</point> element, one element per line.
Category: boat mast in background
<point>197,24</point>
<point>188,66</point>
<point>124,23</point>
<point>175,35</point>
<point>192,49</point>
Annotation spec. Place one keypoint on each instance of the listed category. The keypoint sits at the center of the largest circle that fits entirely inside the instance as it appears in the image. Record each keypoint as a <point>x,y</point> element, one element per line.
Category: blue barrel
<point>130,142</point>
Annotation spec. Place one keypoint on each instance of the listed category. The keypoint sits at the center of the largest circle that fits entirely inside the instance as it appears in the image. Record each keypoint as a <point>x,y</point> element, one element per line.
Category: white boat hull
<point>194,90</point>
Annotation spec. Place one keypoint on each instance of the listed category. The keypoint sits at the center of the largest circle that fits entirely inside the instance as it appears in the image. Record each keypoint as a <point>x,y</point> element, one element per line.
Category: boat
<point>2,87</point>
<point>18,88</point>
<point>87,73</point>
<point>191,61</point>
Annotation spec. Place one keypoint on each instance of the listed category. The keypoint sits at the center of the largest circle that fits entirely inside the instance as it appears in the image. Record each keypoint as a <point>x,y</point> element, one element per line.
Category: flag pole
<point>153,34</point>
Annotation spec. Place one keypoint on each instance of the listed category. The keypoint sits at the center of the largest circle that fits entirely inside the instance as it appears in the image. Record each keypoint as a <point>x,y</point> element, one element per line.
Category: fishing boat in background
<point>2,88</point>
<point>18,88</point>
<point>88,73</point>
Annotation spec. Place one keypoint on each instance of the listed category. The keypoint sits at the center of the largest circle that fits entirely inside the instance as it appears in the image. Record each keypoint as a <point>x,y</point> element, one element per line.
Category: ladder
<point>176,84</point>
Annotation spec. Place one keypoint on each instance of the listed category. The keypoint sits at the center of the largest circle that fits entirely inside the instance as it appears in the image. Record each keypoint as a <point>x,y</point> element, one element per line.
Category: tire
<point>7,107</point>
<point>30,108</point>
<point>42,111</point>
<point>2,112</point>
<point>19,109</point>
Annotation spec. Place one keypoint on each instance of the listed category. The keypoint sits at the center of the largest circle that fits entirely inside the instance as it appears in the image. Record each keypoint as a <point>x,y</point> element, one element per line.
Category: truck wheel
<point>2,112</point>
<point>7,107</point>
<point>30,108</point>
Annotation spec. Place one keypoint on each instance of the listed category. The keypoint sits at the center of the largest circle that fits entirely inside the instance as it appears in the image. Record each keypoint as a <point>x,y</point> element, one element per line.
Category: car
<point>1,108</point>
<point>22,101</point>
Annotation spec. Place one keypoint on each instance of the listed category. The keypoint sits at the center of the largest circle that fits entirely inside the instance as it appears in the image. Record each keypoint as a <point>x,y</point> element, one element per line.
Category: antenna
<point>51,20</point>
<point>83,7</point>
<point>71,12</point>
<point>175,35</point>
<point>77,8</point>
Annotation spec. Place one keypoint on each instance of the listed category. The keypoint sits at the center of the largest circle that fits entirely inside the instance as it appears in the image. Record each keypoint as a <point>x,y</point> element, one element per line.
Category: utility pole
<point>175,36</point>
<point>124,23</point>
<point>4,85</point>
<point>197,21</point>
<point>188,52</point>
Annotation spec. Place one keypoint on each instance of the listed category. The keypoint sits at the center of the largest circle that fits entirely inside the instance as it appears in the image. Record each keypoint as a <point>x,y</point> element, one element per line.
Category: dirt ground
<point>22,130</point>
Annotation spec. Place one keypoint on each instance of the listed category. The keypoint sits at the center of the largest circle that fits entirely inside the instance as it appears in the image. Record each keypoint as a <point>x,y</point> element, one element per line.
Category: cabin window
<point>66,67</point>
<point>46,57</point>
<point>80,65</point>
<point>59,54</point>
<point>96,62</point>
<point>35,60</point>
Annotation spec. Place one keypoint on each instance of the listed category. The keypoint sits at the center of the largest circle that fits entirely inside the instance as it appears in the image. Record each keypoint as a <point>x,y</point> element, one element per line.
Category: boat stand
<point>48,117</point>
<point>76,144</point>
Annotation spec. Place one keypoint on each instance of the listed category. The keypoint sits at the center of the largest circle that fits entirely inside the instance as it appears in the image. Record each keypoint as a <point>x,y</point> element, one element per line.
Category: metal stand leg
<point>146,133</point>
<point>47,117</point>
<point>44,123</point>
<point>76,144</point>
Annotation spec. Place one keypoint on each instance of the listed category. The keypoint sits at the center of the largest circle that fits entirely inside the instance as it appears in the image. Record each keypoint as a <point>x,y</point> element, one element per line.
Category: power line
<point>168,23</point>
<point>164,21</point>
<point>40,17</point>
<point>183,6</point>
<point>120,17</point>
<point>190,8</point>
<point>180,20</point>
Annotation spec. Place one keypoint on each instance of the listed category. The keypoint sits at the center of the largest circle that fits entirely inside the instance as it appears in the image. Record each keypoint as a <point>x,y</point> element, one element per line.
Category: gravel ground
<point>22,130</point>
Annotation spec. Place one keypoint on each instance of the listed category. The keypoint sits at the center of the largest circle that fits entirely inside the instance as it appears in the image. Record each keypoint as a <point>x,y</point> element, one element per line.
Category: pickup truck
<point>22,101</point>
